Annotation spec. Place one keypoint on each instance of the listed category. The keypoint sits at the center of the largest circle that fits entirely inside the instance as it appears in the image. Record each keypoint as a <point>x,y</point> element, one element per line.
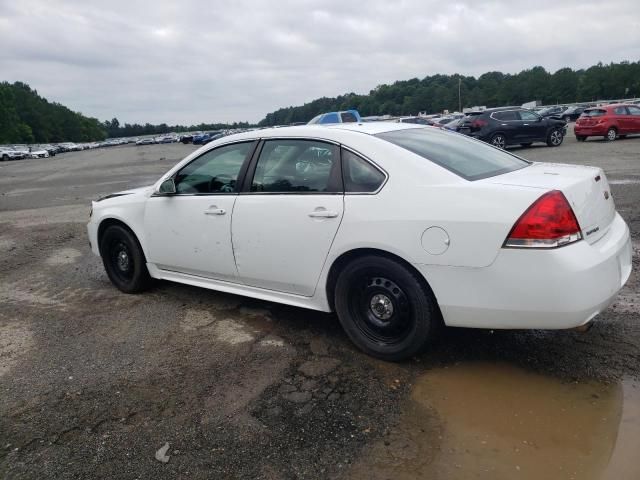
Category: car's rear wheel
<point>386,309</point>
<point>498,140</point>
<point>611,135</point>
<point>528,144</point>
<point>581,138</point>
<point>555,138</point>
<point>124,260</point>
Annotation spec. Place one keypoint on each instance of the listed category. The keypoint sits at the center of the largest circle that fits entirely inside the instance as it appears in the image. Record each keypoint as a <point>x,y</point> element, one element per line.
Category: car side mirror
<point>168,187</point>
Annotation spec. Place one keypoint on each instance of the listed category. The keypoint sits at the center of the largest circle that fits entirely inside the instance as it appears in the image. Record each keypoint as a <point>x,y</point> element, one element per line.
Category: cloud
<point>197,61</point>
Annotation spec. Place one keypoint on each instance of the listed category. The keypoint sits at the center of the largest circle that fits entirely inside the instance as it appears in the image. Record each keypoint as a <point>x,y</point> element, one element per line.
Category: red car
<point>609,121</point>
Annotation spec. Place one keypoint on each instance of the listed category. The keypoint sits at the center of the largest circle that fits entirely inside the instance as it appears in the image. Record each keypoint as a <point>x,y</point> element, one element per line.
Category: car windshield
<point>466,157</point>
<point>594,113</point>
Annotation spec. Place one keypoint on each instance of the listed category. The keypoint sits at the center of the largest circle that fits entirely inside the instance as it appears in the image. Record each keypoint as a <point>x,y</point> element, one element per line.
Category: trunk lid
<point>586,189</point>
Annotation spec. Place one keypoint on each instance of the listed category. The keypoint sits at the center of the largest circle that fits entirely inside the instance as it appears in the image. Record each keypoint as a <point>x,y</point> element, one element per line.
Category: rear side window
<point>359,175</point>
<point>594,113</point>
<point>620,111</point>
<point>348,117</point>
<point>467,158</point>
<point>634,110</point>
<point>505,116</point>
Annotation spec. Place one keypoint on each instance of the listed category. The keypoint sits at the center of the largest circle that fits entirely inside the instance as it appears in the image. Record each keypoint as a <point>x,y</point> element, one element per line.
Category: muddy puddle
<point>487,421</point>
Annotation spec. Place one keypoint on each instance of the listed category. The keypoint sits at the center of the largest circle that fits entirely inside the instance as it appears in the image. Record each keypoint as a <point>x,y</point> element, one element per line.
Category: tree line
<point>114,129</point>
<point>440,92</point>
<point>26,117</point>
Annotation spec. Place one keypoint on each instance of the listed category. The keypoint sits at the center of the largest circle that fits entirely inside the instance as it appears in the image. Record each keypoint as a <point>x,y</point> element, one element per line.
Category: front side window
<point>467,158</point>
<point>297,166</point>
<point>528,116</point>
<point>213,172</point>
<point>634,110</point>
<point>359,175</point>
<point>348,117</point>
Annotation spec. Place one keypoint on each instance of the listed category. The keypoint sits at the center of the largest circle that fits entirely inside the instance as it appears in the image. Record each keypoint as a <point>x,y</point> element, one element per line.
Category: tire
<point>611,135</point>
<point>498,141</point>
<point>5,158</point>
<point>580,138</point>
<point>526,145</point>
<point>124,260</point>
<point>386,309</point>
<point>555,138</point>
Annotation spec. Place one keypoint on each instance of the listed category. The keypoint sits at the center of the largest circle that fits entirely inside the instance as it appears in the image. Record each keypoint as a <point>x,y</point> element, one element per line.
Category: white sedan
<point>398,228</point>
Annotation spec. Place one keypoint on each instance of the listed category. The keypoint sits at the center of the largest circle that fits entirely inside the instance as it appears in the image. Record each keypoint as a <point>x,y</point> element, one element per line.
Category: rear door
<point>510,125</point>
<point>285,220</point>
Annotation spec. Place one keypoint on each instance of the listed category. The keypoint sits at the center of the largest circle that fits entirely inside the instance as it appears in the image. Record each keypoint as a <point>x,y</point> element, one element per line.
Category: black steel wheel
<point>385,308</point>
<point>124,260</point>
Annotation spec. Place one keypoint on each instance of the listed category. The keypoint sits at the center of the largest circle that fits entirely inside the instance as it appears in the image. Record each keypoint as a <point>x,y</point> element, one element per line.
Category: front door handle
<point>213,210</point>
<point>323,214</point>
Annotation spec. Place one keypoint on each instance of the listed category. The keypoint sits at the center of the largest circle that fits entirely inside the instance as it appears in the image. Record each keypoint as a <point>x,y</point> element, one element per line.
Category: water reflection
<point>491,421</point>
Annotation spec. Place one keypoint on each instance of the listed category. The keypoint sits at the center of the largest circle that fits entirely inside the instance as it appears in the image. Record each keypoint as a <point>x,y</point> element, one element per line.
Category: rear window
<point>468,158</point>
<point>594,113</point>
<point>348,117</point>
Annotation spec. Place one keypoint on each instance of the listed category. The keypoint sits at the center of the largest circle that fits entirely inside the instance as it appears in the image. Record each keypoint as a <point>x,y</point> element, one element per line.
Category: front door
<point>190,232</point>
<point>534,128</point>
<point>284,226</point>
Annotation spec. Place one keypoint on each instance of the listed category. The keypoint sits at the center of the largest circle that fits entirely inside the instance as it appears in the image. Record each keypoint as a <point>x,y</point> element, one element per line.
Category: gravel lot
<point>94,382</point>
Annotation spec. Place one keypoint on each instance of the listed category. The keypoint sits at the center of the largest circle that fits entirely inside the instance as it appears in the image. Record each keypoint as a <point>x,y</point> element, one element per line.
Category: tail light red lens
<point>478,123</point>
<point>548,223</point>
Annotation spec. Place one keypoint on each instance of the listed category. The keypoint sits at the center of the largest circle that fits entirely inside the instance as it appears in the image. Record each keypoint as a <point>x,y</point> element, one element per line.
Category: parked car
<point>396,227</point>
<point>186,138</point>
<point>609,121</point>
<point>571,114</point>
<point>453,124</point>
<point>513,126</point>
<point>205,138</point>
<point>8,153</point>
<point>556,111</point>
<point>37,152</point>
<point>146,141</point>
<point>347,116</point>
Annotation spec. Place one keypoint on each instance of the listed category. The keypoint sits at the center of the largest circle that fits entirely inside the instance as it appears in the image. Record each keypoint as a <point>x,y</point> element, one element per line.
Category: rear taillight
<point>478,123</point>
<point>548,223</point>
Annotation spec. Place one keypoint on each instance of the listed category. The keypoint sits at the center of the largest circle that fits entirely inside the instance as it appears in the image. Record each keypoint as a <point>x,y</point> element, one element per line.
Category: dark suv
<point>513,126</point>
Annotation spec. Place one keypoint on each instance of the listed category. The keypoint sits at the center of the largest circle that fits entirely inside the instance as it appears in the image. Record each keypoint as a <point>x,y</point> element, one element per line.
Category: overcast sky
<point>195,61</point>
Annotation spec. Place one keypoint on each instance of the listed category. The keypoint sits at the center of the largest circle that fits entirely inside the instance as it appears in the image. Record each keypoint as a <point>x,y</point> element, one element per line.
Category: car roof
<point>324,131</point>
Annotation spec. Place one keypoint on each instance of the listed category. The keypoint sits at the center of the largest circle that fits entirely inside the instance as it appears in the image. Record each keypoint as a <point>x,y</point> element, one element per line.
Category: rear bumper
<point>536,289</point>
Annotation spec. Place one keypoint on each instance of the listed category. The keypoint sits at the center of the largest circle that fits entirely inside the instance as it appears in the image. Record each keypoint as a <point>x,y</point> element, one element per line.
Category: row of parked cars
<point>506,126</point>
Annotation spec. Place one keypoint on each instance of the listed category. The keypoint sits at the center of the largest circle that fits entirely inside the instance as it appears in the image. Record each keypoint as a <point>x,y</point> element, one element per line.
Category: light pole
<point>459,96</point>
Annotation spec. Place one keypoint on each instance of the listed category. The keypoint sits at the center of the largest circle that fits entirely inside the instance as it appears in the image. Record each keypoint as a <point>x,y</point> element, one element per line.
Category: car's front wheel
<point>581,138</point>
<point>555,138</point>
<point>124,260</point>
<point>498,140</point>
<point>386,309</point>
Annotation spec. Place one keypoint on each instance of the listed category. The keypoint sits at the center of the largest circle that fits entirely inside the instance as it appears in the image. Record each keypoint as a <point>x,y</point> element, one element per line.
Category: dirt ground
<point>93,382</point>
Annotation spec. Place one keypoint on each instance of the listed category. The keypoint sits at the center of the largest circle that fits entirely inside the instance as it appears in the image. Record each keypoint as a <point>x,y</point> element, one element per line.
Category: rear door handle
<point>213,210</point>
<point>323,214</point>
